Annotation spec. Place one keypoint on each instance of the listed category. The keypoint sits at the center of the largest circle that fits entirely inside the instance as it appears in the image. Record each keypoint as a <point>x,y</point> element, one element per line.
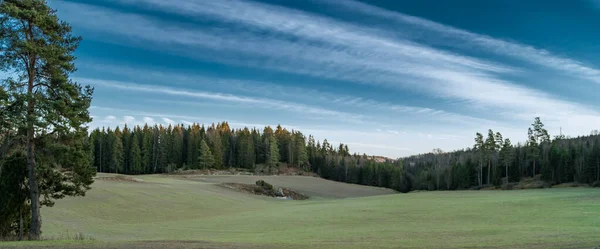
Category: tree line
<point>492,160</point>
<point>160,149</point>
<point>495,161</point>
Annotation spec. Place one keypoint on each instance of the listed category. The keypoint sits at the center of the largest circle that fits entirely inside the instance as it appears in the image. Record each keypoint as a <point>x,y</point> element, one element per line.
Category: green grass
<point>199,214</point>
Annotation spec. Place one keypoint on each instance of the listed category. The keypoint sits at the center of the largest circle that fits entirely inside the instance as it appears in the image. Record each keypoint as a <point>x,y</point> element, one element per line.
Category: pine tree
<point>192,146</point>
<point>490,150</point>
<point>480,148</point>
<point>301,153</point>
<point>117,157</point>
<point>177,146</point>
<point>51,109</point>
<point>506,156</point>
<point>206,159</point>
<point>273,152</point>
<point>163,149</point>
<point>536,135</point>
<point>135,157</point>
<point>126,139</point>
<point>146,146</point>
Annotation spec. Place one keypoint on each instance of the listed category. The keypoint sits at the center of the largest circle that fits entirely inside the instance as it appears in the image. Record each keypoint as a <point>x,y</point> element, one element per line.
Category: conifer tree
<point>177,146</point>
<point>301,153</point>
<point>146,147</point>
<point>506,156</point>
<point>126,139</point>
<point>51,109</point>
<point>273,152</point>
<point>117,157</point>
<point>490,149</point>
<point>135,157</point>
<point>206,159</point>
<point>536,135</point>
<point>480,148</point>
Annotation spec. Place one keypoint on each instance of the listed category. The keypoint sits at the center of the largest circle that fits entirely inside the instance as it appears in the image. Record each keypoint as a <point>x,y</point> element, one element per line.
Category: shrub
<point>596,184</point>
<point>264,185</point>
<point>508,186</point>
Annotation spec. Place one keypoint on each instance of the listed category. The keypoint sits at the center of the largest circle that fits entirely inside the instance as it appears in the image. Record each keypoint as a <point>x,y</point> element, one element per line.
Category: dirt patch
<point>118,178</point>
<point>215,172</point>
<point>266,191</point>
<point>290,171</point>
<point>260,169</point>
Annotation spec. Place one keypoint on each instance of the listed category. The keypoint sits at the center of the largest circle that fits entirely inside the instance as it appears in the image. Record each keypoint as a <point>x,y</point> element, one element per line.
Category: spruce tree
<point>301,153</point>
<point>126,139</point>
<point>273,152</point>
<point>206,159</point>
<point>38,48</point>
<point>135,157</point>
<point>117,157</point>
<point>177,148</point>
<point>146,147</point>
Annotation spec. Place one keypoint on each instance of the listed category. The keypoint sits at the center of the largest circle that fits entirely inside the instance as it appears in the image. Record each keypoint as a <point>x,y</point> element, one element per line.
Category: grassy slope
<point>311,186</point>
<point>168,209</point>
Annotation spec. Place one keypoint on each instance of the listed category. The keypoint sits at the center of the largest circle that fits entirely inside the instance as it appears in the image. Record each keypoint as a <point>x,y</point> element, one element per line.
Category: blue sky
<point>390,78</point>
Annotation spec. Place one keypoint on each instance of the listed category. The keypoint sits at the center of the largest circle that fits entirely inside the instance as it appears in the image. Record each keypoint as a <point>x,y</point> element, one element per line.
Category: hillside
<point>200,214</point>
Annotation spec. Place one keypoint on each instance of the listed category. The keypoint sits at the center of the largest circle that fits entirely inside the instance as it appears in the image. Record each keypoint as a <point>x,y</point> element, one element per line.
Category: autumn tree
<point>38,49</point>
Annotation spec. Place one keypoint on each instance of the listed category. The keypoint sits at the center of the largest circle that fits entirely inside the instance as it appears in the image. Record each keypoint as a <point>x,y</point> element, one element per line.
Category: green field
<point>166,212</point>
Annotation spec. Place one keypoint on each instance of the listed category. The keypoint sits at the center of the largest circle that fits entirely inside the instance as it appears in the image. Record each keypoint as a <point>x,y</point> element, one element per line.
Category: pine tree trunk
<point>480,175</point>
<point>35,230</point>
<point>489,171</point>
<point>506,173</point>
<point>101,155</point>
<point>154,157</point>
<point>534,168</point>
<point>21,222</point>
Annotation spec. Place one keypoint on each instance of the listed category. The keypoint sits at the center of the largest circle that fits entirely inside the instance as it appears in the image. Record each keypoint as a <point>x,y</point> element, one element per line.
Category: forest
<point>492,161</point>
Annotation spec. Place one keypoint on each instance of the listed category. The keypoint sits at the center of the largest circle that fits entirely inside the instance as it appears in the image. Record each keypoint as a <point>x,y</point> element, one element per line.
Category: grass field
<point>165,212</point>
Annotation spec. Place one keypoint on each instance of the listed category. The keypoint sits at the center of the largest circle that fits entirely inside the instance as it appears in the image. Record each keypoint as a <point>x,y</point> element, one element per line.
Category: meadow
<point>166,212</point>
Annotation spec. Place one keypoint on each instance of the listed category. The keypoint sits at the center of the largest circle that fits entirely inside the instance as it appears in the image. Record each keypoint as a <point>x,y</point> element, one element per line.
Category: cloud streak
<point>274,38</point>
<point>258,102</point>
<point>287,92</point>
<point>468,39</point>
<point>332,49</point>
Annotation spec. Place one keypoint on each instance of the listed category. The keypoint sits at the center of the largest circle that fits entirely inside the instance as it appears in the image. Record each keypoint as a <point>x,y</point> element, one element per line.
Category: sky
<point>389,78</point>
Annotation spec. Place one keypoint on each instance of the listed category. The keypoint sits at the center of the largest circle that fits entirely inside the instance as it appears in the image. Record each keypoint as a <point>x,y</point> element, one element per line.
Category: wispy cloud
<point>288,92</point>
<point>259,102</point>
<point>149,120</point>
<point>270,37</point>
<point>469,39</point>
<point>328,48</point>
<point>168,121</point>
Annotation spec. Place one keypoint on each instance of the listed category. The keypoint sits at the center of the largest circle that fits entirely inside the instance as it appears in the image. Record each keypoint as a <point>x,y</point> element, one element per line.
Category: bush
<point>508,186</point>
<point>264,185</point>
<point>596,184</point>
